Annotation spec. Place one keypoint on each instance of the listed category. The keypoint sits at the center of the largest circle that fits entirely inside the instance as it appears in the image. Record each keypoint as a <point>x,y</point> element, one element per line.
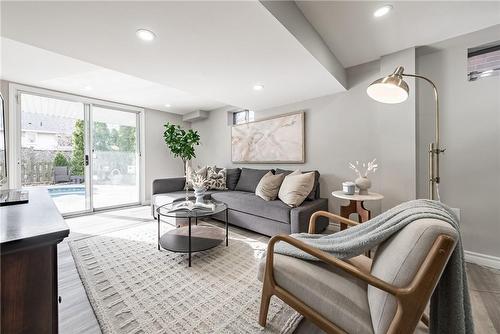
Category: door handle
<point>86,159</point>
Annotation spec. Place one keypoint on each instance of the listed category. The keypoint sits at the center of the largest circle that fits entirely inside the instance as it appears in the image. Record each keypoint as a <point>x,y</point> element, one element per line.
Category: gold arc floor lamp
<point>393,89</point>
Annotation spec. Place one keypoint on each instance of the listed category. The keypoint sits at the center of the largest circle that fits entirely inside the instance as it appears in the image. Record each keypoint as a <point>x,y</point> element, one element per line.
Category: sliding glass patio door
<point>52,149</point>
<point>85,154</point>
<point>115,158</point>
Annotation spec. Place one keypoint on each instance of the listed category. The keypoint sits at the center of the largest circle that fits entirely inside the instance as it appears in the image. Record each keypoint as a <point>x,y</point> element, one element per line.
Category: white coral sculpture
<point>198,180</point>
<point>369,167</point>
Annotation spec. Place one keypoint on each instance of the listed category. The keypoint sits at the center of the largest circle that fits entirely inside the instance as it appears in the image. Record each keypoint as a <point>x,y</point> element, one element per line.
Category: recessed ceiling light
<point>145,35</point>
<point>168,105</point>
<point>258,87</point>
<point>87,88</point>
<point>382,11</point>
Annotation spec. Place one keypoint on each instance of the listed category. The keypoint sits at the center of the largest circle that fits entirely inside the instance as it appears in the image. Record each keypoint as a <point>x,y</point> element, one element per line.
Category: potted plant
<point>181,143</point>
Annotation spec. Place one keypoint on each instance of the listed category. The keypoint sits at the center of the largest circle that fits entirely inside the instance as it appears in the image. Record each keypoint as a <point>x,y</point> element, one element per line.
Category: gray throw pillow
<point>232,177</point>
<point>312,194</point>
<point>249,179</point>
<point>295,188</point>
<point>269,185</point>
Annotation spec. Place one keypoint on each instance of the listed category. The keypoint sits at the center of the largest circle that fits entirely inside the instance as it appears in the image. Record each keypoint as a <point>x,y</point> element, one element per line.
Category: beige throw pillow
<point>295,188</point>
<point>269,185</point>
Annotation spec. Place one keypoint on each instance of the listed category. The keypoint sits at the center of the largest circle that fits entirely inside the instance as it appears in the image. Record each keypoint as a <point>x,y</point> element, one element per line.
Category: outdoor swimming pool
<point>71,198</point>
<point>57,191</point>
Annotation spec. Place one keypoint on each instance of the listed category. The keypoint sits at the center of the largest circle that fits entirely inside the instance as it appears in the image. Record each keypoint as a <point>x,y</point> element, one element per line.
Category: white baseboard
<point>482,259</point>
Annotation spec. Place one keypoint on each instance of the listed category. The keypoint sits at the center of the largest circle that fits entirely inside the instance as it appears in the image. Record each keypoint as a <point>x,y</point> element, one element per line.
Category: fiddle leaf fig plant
<point>180,142</point>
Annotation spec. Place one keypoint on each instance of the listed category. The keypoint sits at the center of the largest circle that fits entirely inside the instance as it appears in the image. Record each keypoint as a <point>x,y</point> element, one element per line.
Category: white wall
<point>158,161</point>
<point>395,137</point>
<point>340,128</point>
<point>470,132</point>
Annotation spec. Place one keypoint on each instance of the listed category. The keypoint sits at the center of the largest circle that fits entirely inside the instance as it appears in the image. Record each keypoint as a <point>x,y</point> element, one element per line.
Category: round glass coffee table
<point>192,238</point>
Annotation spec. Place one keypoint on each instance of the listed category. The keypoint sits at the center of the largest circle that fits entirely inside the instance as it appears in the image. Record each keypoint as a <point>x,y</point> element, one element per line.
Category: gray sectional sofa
<point>247,210</point>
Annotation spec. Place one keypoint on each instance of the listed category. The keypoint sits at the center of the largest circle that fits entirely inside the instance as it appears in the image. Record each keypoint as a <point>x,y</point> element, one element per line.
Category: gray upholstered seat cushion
<point>250,203</point>
<point>397,261</point>
<point>336,295</point>
<point>249,179</point>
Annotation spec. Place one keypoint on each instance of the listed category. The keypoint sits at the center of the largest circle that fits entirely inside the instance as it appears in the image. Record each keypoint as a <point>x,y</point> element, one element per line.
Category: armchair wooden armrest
<point>329,215</point>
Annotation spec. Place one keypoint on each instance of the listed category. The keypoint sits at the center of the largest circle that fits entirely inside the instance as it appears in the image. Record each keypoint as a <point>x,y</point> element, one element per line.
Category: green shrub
<point>60,160</point>
<point>78,142</point>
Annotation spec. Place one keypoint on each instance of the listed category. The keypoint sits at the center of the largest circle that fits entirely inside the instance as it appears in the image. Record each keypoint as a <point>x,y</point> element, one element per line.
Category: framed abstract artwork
<point>278,139</point>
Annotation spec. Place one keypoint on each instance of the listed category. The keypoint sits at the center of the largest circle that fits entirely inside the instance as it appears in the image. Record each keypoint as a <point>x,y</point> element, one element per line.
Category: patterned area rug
<point>134,288</point>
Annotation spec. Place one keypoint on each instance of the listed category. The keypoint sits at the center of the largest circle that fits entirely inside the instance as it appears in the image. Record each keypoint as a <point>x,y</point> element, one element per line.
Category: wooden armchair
<point>340,296</point>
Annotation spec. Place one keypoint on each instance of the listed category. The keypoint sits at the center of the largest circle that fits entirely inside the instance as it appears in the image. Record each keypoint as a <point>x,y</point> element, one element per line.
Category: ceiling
<point>38,67</point>
<point>355,36</point>
<point>208,54</point>
<point>213,52</point>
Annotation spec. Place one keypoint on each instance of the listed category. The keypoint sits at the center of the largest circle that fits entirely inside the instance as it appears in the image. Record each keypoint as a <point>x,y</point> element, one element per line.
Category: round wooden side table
<point>356,205</point>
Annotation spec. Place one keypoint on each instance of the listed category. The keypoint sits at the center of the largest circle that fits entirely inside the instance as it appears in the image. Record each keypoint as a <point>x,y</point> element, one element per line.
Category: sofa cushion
<point>312,195</point>
<point>396,262</point>
<point>232,177</point>
<point>269,186</point>
<point>250,203</point>
<point>249,179</point>
<point>296,187</point>
<point>336,295</point>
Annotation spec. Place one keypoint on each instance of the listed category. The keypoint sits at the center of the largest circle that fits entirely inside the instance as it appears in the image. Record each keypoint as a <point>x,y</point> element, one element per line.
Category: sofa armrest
<point>167,185</point>
<point>300,216</point>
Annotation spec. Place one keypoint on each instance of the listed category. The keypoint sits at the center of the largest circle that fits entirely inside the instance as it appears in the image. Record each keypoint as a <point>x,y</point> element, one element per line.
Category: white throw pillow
<point>295,188</point>
<point>269,185</point>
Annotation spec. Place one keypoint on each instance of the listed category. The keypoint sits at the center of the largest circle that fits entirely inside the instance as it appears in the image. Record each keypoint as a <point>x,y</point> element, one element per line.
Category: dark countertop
<point>35,223</point>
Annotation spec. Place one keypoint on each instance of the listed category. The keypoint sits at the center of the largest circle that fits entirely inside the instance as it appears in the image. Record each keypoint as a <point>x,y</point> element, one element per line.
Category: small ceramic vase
<point>199,193</point>
<point>363,184</point>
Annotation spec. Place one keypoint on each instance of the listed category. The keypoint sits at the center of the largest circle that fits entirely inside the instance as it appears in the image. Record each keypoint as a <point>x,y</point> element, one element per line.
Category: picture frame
<point>278,139</point>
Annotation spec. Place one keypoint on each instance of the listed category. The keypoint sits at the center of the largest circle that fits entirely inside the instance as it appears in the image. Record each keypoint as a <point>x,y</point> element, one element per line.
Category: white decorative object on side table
<point>363,182</point>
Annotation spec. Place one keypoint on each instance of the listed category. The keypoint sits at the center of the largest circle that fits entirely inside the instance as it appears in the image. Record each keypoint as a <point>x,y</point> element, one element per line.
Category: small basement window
<point>483,61</point>
<point>243,116</point>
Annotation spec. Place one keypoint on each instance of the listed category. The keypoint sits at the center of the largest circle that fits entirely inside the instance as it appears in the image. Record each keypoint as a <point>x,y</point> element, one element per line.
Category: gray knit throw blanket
<point>450,309</point>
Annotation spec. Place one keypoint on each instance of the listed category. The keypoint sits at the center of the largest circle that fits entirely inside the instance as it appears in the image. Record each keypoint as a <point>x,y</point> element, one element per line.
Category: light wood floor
<point>77,317</point>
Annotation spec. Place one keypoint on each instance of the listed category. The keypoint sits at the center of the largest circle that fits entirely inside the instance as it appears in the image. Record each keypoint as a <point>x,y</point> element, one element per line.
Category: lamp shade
<point>391,89</point>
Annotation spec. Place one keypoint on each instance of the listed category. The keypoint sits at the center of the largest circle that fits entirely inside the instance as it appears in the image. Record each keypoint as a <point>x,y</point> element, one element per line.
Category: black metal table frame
<point>189,233</point>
